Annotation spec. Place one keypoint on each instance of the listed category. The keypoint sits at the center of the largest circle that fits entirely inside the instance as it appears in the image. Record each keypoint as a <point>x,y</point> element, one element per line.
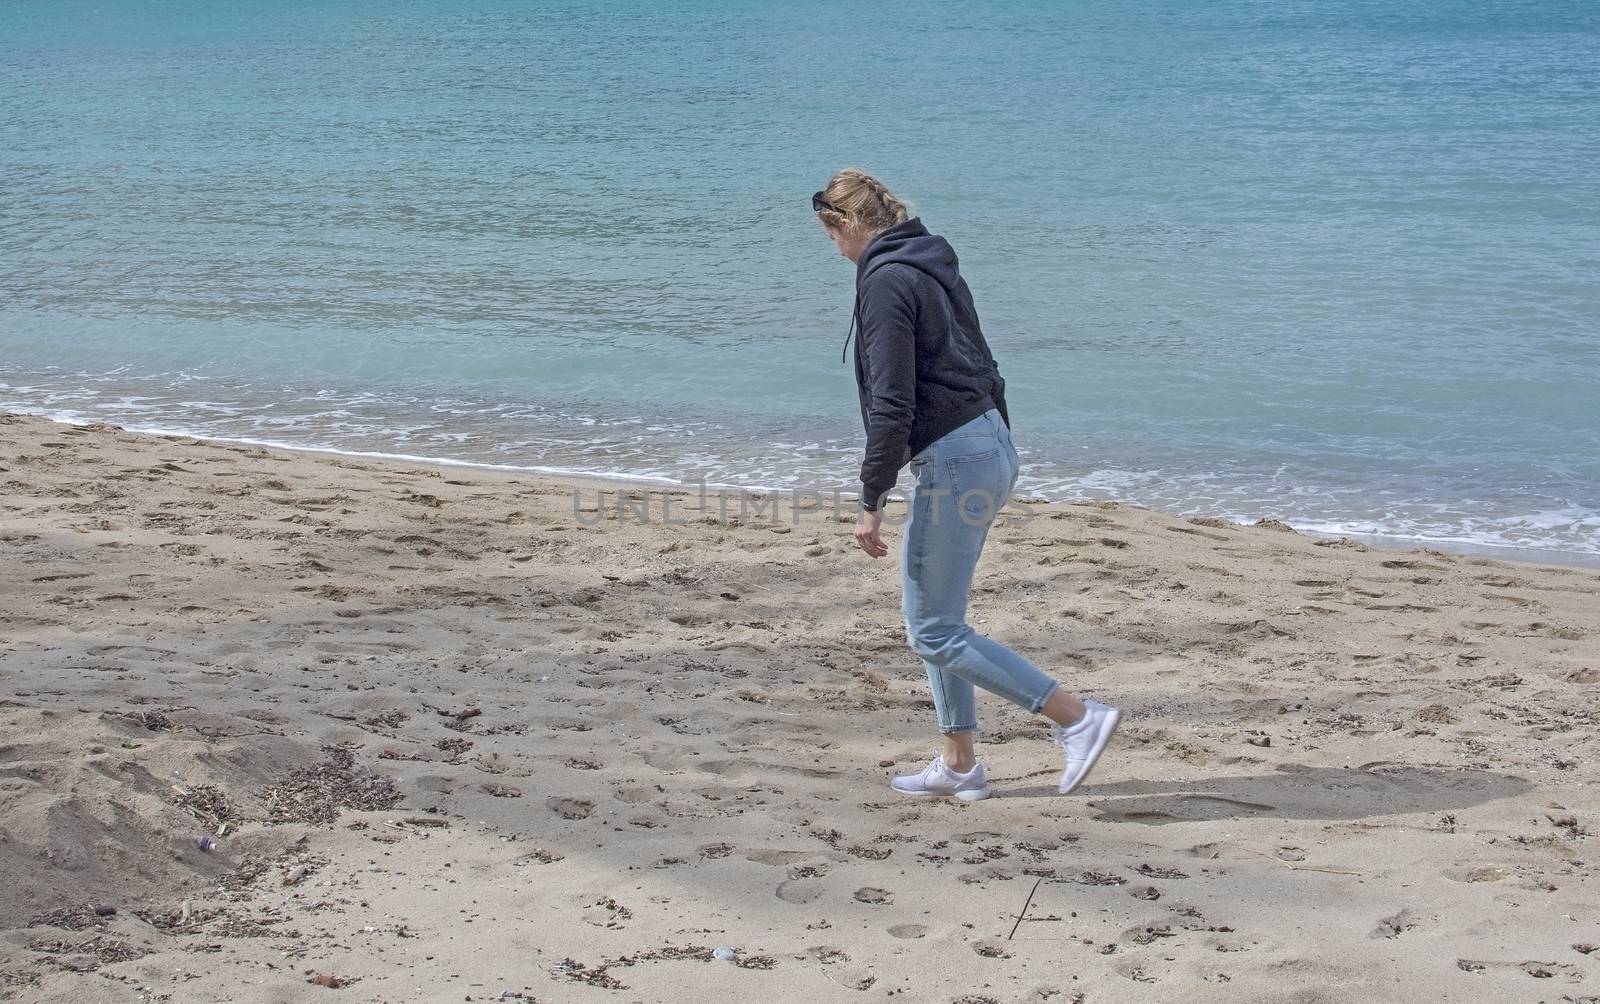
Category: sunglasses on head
<point>818,204</point>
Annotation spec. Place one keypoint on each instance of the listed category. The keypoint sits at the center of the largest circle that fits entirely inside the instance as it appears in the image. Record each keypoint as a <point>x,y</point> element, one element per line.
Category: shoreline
<point>269,717</point>
<point>1502,552</point>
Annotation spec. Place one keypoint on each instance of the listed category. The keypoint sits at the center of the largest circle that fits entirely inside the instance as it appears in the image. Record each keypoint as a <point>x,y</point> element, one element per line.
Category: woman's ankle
<point>959,755</point>
<point>1063,708</point>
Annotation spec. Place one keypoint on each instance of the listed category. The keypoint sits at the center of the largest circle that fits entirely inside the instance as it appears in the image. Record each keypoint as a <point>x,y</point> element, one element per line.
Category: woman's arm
<point>888,337</point>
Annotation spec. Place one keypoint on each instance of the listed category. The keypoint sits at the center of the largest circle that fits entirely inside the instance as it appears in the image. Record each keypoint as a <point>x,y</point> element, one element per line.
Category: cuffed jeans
<point>962,481</point>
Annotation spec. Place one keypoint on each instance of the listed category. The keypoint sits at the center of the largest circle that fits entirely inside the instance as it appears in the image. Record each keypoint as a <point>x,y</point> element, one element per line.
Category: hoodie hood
<point>909,243</point>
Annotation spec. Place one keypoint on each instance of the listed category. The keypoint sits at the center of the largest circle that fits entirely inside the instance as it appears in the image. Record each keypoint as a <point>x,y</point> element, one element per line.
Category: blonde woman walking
<point>931,394</point>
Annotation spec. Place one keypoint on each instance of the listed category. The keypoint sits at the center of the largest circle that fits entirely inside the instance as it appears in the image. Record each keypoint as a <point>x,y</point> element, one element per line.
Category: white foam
<point>630,451</point>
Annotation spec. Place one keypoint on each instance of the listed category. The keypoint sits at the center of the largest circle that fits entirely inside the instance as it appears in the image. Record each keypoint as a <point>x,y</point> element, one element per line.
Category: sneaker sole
<point>970,795</point>
<point>1099,747</point>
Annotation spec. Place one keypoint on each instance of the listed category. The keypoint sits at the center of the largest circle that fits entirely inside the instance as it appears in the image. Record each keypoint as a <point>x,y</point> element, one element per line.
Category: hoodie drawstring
<point>853,315</point>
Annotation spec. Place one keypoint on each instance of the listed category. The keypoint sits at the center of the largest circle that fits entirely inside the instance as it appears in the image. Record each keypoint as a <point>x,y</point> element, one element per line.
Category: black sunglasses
<point>818,204</point>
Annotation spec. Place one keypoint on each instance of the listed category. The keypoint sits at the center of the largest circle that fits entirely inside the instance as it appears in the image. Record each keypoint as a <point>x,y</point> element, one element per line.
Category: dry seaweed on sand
<point>153,721</point>
<point>330,980</point>
<point>316,794</point>
<point>699,953</point>
<point>595,976</point>
<point>68,918</point>
<point>18,978</point>
<point>104,949</point>
<point>207,803</point>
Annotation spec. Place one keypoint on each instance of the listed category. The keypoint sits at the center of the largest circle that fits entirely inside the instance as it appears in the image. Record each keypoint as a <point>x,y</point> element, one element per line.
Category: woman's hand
<point>867,534</point>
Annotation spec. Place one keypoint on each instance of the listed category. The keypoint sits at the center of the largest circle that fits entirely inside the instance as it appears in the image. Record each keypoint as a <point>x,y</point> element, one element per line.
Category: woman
<point>932,394</point>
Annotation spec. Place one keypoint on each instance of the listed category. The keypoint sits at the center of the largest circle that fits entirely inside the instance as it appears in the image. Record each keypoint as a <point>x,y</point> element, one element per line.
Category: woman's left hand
<point>867,534</point>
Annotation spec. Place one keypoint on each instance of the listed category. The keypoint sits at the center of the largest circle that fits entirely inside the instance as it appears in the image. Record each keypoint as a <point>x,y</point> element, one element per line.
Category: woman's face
<point>850,242</point>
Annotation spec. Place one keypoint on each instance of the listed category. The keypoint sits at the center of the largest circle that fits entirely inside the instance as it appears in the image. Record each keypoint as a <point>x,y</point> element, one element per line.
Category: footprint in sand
<point>1484,873</point>
<point>569,808</point>
<point>1393,927</point>
<point>1521,601</point>
<point>874,896</point>
<point>1405,563</point>
<point>606,912</point>
<point>1134,815</point>
<point>828,955</point>
<point>799,890</point>
<point>908,932</point>
<point>1537,969</point>
<point>775,857</point>
<point>1199,533</point>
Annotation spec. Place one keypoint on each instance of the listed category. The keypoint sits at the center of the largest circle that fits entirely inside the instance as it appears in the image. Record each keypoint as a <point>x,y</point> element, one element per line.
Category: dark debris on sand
<point>596,976</point>
<point>153,721</point>
<point>19,978</point>
<point>221,922</point>
<point>176,918</point>
<point>388,720</point>
<point>68,918</point>
<point>316,794</point>
<point>207,803</point>
<point>102,948</point>
<point>699,953</point>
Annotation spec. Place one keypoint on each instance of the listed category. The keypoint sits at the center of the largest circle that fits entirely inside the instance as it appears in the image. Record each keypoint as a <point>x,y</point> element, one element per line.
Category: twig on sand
<point>1025,906</point>
<point>1300,868</point>
<point>188,927</point>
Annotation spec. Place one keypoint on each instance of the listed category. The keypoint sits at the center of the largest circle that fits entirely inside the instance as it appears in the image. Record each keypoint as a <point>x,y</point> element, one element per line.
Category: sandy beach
<point>285,726</point>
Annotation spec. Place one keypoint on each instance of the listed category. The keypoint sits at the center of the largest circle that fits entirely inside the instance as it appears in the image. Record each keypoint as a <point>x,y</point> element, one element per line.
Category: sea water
<point>1336,263</point>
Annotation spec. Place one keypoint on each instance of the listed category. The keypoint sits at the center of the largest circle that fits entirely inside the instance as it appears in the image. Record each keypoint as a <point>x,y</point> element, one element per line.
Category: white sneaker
<point>1083,741</point>
<point>937,779</point>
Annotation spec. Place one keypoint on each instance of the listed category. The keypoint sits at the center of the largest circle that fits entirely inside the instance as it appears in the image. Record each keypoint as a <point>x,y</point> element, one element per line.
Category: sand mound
<point>109,809</point>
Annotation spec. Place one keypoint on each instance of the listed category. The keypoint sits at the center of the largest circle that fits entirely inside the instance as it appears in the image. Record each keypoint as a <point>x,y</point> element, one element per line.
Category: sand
<point>452,739</point>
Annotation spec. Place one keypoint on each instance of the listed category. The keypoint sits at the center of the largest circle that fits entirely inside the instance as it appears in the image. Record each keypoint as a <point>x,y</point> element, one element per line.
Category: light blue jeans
<point>962,481</point>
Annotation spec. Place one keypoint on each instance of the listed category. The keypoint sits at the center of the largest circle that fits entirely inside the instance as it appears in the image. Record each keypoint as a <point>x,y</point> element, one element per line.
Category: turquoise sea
<point>1336,263</point>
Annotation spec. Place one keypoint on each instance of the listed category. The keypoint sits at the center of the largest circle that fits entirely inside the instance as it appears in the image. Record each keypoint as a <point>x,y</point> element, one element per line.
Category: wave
<point>692,454</point>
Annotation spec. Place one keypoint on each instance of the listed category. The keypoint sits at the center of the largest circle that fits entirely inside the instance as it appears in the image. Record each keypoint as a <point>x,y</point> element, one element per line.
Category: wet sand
<point>451,739</point>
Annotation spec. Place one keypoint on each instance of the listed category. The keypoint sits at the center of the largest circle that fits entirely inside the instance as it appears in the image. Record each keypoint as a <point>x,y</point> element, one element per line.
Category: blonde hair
<point>861,201</point>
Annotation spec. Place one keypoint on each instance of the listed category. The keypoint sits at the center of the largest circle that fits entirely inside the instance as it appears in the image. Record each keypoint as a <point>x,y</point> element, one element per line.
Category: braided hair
<point>861,201</point>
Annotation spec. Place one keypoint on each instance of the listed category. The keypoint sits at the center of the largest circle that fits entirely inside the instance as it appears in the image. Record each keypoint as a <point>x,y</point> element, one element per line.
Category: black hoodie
<point>922,366</point>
